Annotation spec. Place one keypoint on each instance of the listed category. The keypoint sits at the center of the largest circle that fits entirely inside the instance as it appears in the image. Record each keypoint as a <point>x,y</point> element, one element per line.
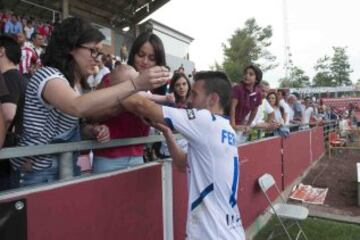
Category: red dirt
<point>339,175</point>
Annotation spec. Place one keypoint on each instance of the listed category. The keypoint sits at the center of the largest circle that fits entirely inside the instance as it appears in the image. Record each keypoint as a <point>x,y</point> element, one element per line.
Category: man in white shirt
<point>264,117</point>
<point>212,161</point>
<point>103,71</point>
<point>308,111</point>
<point>281,94</point>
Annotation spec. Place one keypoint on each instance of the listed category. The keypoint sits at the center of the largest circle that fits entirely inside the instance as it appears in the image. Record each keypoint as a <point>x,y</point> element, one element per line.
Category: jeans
<point>103,164</point>
<point>20,178</point>
<point>72,135</point>
<point>26,178</point>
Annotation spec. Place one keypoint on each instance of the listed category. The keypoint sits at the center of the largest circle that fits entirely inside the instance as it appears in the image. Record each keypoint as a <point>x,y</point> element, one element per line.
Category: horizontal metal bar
<point>6,153</point>
<point>13,152</point>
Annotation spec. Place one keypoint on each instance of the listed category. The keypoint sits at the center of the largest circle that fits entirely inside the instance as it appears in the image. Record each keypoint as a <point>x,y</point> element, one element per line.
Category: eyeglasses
<point>93,51</point>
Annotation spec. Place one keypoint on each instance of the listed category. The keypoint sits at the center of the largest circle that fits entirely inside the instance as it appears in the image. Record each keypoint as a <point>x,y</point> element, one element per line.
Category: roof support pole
<point>65,9</point>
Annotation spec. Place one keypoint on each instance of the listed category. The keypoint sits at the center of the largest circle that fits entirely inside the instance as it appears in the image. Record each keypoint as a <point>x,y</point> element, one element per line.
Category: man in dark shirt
<point>3,91</point>
<point>13,102</point>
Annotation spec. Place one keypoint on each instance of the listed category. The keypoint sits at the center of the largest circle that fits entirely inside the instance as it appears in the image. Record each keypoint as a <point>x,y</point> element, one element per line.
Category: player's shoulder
<point>199,114</point>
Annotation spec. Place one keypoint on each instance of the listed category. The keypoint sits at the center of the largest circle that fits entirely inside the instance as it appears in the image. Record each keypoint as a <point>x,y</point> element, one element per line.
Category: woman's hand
<point>102,133</point>
<point>170,98</point>
<point>151,78</point>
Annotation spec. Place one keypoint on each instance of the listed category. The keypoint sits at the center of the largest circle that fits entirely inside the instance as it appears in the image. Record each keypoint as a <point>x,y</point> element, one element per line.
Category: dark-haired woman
<point>180,86</point>
<point>279,116</point>
<point>53,106</point>
<point>246,98</point>
<point>146,52</point>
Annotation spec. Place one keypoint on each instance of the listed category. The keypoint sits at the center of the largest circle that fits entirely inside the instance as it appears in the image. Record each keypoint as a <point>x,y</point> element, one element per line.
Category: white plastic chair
<point>283,211</point>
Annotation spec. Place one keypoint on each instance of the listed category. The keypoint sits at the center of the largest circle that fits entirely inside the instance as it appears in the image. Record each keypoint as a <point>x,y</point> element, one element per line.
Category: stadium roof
<point>109,13</point>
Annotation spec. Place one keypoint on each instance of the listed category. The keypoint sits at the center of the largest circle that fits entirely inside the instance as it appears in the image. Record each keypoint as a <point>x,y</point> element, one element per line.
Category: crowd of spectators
<point>56,85</point>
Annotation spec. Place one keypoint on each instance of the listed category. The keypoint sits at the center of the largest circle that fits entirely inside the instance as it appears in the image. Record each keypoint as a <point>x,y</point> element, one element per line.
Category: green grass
<point>315,229</point>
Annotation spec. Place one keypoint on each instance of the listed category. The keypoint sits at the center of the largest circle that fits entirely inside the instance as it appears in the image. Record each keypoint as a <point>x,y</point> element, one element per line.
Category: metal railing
<point>66,168</point>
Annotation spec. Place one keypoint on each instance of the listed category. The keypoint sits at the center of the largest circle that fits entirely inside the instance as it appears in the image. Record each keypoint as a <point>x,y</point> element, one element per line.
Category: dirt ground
<point>339,175</point>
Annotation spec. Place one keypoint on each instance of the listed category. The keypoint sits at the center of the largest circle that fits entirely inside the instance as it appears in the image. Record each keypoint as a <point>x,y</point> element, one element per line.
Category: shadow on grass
<point>315,229</point>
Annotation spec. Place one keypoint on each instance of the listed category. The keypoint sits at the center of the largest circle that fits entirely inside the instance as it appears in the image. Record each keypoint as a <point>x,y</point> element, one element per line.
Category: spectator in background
<point>37,44</point>
<point>281,95</point>
<point>309,116</point>
<point>10,54</point>
<point>13,26</point>
<point>44,31</point>
<point>29,29</point>
<point>29,59</point>
<point>4,17</point>
<point>123,53</point>
<point>102,74</point>
<point>147,51</point>
<point>23,21</point>
<point>53,106</point>
<point>181,69</point>
<point>297,109</point>
<point>4,164</point>
<point>330,113</point>
<point>109,62</point>
<point>180,86</point>
<point>279,116</point>
<point>246,99</point>
<point>12,103</point>
<point>264,116</point>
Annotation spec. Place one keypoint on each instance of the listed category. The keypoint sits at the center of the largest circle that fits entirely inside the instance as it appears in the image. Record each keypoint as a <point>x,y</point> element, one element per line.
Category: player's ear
<point>214,99</point>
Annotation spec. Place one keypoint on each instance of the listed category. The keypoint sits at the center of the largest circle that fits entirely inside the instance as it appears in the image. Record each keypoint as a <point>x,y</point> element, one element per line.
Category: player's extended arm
<point>152,111</point>
<point>143,107</point>
<point>177,154</point>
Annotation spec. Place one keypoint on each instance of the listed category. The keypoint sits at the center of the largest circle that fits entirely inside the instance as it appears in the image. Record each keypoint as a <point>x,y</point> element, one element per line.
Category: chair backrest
<point>266,181</point>
<point>332,136</point>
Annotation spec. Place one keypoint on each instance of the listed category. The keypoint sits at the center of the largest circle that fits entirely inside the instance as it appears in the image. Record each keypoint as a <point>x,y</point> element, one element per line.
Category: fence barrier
<point>150,201</point>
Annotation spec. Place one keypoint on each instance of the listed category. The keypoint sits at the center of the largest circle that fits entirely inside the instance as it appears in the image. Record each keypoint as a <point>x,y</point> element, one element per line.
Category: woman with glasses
<point>53,105</point>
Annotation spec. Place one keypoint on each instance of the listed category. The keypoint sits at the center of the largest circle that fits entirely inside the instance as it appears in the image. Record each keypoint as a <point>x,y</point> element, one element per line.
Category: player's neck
<point>216,110</point>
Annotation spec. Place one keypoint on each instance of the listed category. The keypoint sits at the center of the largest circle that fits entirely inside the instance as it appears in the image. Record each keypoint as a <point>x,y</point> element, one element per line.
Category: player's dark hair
<point>216,82</point>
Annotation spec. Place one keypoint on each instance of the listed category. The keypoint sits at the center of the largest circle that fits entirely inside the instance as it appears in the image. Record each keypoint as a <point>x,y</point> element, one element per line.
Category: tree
<point>248,46</point>
<point>340,67</point>
<point>297,79</point>
<point>323,76</point>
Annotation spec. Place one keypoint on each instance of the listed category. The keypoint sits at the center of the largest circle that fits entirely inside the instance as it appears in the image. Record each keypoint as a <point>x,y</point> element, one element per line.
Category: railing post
<point>167,199</point>
<point>66,168</point>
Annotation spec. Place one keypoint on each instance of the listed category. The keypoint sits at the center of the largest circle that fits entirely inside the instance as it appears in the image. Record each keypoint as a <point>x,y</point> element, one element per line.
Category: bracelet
<point>133,83</point>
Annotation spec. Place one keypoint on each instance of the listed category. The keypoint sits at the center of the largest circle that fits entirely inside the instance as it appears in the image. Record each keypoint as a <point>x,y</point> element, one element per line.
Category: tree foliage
<point>340,67</point>
<point>247,45</point>
<point>297,79</point>
<point>323,76</point>
<point>333,71</point>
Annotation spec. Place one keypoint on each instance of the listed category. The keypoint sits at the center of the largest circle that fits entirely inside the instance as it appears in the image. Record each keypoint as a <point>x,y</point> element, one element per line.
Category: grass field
<point>316,229</point>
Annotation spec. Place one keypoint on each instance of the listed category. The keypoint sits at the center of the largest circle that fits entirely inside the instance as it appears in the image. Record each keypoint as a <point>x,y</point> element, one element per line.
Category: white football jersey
<point>213,174</point>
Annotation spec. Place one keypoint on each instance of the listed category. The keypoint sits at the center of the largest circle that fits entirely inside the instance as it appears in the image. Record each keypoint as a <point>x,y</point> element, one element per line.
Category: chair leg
<point>301,231</point>
<point>284,227</point>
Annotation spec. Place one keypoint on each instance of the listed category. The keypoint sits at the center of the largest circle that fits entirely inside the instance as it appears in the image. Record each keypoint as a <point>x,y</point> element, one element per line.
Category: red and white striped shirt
<point>28,57</point>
